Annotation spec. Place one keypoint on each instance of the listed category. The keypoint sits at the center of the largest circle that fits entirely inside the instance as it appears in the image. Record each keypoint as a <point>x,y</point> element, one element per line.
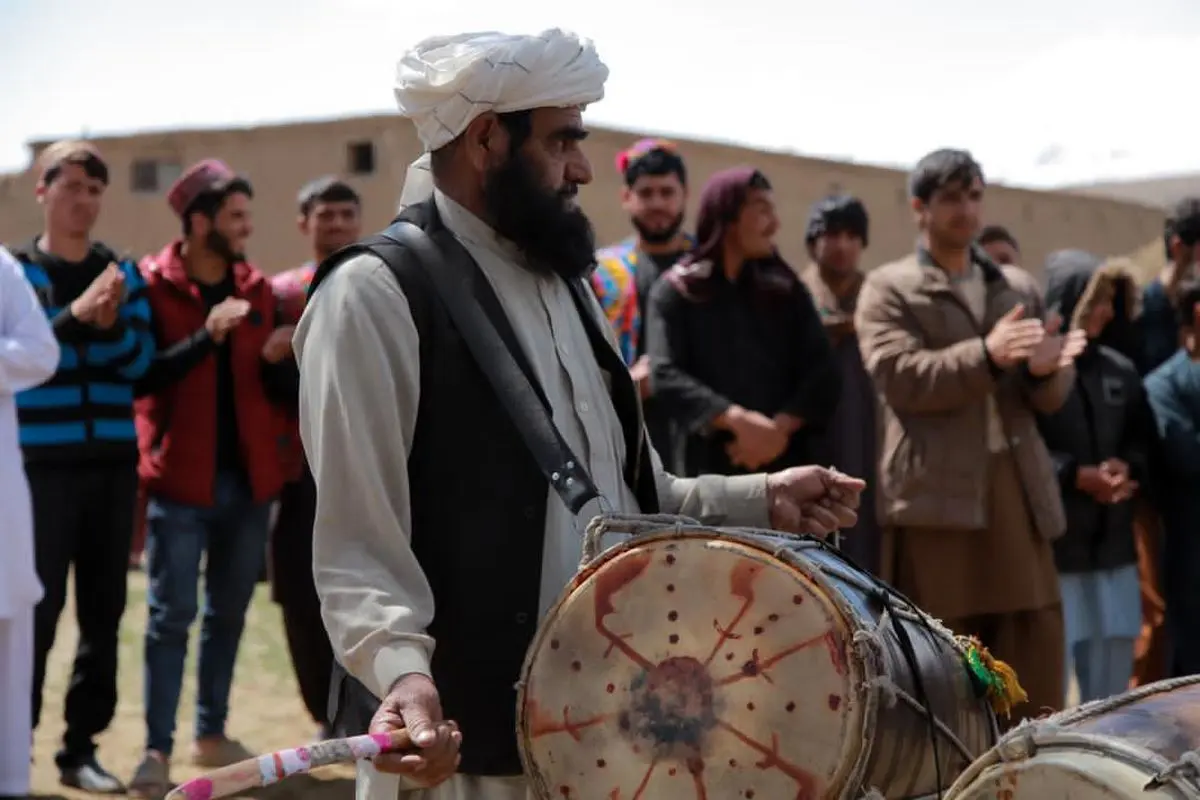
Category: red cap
<point>211,174</point>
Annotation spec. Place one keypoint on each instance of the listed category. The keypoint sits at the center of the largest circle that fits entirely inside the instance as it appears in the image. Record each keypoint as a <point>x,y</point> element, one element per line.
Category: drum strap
<point>565,472</point>
<point>884,596</point>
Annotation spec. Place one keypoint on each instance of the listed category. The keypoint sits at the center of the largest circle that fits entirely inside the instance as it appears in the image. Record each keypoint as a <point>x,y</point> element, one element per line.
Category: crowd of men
<point>1022,444</point>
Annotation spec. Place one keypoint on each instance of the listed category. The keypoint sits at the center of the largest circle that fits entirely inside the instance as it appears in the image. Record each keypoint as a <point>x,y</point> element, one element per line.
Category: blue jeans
<point>230,537</point>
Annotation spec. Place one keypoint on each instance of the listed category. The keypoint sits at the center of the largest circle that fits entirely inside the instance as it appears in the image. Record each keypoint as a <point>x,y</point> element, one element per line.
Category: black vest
<point>479,500</point>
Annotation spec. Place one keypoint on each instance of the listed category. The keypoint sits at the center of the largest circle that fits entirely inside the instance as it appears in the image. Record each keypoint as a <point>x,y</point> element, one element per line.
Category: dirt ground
<point>265,710</point>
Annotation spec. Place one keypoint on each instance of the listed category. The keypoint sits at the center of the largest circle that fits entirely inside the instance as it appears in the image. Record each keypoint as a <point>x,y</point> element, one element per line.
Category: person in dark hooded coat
<point>1100,442</point>
<point>740,360</point>
<point>836,237</point>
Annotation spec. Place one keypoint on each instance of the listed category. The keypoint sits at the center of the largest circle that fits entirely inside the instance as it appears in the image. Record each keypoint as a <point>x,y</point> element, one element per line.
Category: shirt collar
<point>469,228</point>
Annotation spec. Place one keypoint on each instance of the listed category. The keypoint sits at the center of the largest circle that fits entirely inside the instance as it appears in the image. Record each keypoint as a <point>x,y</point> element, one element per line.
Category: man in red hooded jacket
<point>212,434</point>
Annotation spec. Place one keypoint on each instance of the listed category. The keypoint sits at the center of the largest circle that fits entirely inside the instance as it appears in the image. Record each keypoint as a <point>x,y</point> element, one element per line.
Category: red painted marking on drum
<point>805,780</point>
<point>620,574</point>
<point>279,772</point>
<point>835,702</point>
<point>671,708</point>
<point>760,668</point>
<point>741,585</point>
<point>695,766</point>
<point>541,724</point>
<point>637,793</point>
<point>833,641</point>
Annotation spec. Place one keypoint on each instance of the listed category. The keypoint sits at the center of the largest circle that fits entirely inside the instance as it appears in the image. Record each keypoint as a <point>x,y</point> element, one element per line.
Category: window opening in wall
<point>360,157</point>
<point>152,175</point>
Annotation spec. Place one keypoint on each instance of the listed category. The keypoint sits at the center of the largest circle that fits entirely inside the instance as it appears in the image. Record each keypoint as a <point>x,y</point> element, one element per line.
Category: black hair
<point>997,233</point>
<point>835,214</point>
<point>658,162</point>
<point>1189,296</point>
<point>326,190</point>
<point>519,125</point>
<point>1183,220</point>
<point>93,166</point>
<point>210,202</point>
<point>941,169</point>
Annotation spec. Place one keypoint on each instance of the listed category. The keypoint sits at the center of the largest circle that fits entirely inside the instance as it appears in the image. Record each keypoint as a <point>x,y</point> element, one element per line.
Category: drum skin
<point>1109,749</point>
<point>712,663</point>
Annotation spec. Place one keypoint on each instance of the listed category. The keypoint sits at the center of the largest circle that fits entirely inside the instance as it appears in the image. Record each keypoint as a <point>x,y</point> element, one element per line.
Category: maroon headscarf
<point>721,201</point>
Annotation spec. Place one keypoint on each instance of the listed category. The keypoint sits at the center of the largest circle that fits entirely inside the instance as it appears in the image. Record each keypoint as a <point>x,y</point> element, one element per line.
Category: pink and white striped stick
<point>254,773</point>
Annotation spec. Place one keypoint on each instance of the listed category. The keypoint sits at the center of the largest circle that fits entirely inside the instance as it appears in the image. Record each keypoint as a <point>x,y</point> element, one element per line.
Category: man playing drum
<point>427,495</point>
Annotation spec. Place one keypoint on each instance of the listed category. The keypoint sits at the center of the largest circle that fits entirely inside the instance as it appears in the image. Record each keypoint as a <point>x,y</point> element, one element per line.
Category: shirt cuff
<point>395,661</point>
<point>746,500</point>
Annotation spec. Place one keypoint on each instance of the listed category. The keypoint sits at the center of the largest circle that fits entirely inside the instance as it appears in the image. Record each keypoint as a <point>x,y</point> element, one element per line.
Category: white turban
<point>445,82</point>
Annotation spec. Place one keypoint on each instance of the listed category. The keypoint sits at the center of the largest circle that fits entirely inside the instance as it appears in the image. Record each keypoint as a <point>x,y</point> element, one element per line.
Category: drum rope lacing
<point>1188,766</point>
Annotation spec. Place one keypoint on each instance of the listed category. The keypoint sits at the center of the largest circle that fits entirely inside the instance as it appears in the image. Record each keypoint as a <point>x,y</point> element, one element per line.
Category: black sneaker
<point>91,777</point>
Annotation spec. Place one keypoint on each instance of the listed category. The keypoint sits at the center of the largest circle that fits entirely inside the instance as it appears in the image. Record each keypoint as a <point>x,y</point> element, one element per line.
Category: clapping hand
<point>100,302</point>
<point>1056,349</point>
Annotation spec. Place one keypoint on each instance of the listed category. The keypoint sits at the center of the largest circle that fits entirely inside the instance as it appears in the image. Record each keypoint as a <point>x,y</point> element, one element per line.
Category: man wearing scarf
<point>836,238</point>
<point>963,362</point>
<point>655,196</point>
<point>740,362</point>
<point>1100,443</point>
<point>426,491</point>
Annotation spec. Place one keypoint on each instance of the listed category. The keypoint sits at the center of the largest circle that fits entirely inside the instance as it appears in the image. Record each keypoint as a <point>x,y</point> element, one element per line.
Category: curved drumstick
<point>265,770</point>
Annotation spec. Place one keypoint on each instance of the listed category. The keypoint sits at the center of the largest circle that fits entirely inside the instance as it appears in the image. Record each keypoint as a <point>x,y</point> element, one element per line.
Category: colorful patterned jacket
<point>614,283</point>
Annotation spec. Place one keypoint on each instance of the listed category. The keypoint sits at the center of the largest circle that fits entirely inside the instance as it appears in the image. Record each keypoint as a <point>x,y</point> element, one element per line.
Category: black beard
<point>658,237</point>
<point>554,235</point>
<point>221,246</point>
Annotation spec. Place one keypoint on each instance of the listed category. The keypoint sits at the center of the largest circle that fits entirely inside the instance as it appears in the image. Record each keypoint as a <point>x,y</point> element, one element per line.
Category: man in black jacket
<point>408,440</point>
<point>1099,440</point>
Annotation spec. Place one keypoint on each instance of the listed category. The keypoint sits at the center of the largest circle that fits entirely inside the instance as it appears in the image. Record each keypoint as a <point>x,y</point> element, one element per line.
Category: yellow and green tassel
<point>994,679</point>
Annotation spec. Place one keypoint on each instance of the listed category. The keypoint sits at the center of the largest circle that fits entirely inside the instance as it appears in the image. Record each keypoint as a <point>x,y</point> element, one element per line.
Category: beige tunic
<point>357,346</point>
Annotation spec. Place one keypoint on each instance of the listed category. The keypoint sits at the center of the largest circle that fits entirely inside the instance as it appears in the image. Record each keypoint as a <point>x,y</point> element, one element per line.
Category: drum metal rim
<point>750,537</point>
<point>1034,739</point>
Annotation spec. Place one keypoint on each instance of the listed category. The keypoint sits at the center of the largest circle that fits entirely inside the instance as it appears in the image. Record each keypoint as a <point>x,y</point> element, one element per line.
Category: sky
<point>1043,92</point>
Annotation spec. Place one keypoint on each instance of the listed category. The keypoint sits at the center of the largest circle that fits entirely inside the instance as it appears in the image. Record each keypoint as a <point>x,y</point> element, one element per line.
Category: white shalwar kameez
<point>28,356</point>
<point>442,84</point>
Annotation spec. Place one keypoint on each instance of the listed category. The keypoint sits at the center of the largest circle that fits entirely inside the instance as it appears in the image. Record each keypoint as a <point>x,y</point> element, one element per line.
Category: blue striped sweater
<point>85,412</point>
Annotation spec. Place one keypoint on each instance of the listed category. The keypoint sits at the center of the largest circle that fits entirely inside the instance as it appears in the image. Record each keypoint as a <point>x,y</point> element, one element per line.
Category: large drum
<point>1142,744</point>
<point>716,663</point>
